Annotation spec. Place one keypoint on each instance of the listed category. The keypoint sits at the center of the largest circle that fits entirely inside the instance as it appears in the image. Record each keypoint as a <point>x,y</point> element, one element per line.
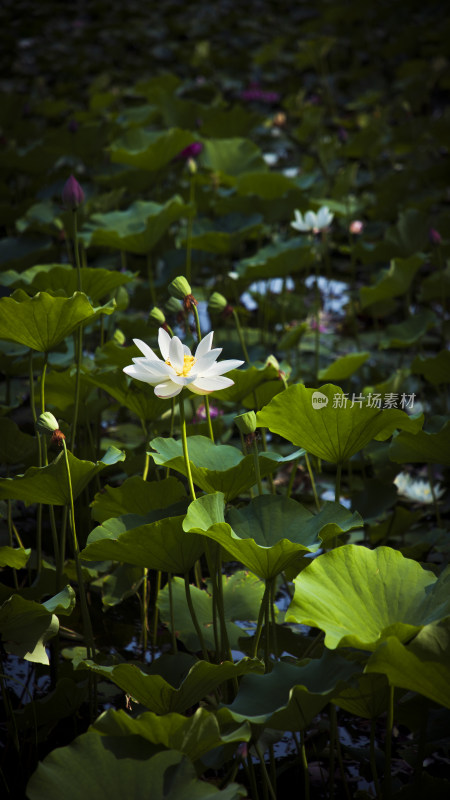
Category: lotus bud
<point>157,316</point>
<point>46,423</point>
<point>435,236</point>
<point>356,227</point>
<point>217,302</point>
<point>246,422</point>
<point>72,194</point>
<point>173,305</point>
<point>180,288</point>
<point>192,166</point>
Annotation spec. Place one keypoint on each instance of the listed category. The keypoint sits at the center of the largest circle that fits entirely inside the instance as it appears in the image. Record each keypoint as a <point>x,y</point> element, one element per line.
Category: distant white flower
<point>417,490</point>
<point>200,373</point>
<point>270,159</point>
<point>312,221</point>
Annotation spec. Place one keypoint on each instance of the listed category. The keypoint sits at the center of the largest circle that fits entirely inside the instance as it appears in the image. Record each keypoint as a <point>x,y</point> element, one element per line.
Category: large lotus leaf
<point>231,157</point>
<point>25,627</point>
<point>135,230</point>
<point>368,699</point>
<point>436,285</point>
<point>278,260</point>
<point>268,185</point>
<point>24,250</point>
<point>136,496</point>
<point>136,396</point>
<point>194,736</point>
<point>392,282</point>
<point>147,541</point>
<point>242,595</point>
<point>97,282</point>
<point>247,381</point>
<point>359,597</point>
<point>49,484</point>
<point>223,236</point>
<point>15,557</point>
<point>343,367</point>
<point>60,395</point>
<point>228,121</point>
<point>404,334</point>
<point>422,666</point>
<point>156,694</point>
<point>271,533</point>
<point>334,434</point>
<point>97,766</point>
<point>43,321</point>
<point>435,370</point>
<point>149,149</point>
<point>215,467</point>
<point>289,697</point>
<point>428,448</point>
<point>15,446</point>
<point>121,582</point>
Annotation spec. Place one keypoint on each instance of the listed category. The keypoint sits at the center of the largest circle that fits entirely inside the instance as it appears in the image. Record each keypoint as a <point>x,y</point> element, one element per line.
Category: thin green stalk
<point>267,782</point>
<point>256,464</point>
<point>313,483</point>
<point>373,763</point>
<point>155,610</point>
<point>210,549</point>
<point>78,339</point>
<point>252,778</point>
<point>292,477</point>
<point>189,229</point>
<point>273,624</point>
<point>317,319</point>
<point>172,616</point>
<point>388,745</point>
<point>332,760</point>
<point>75,249</point>
<point>240,335</point>
<point>185,446</point>
<point>145,610</point>
<point>11,541</point>
<point>333,720</point>
<point>337,490</point>
<point>44,372</point>
<point>259,624</point>
<point>194,618</point>
<point>305,766</point>
<point>89,636</point>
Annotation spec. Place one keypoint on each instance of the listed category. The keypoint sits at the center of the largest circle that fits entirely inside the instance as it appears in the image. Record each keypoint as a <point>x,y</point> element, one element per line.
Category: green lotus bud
<point>46,423</point>
<point>173,305</point>
<point>217,302</point>
<point>246,422</point>
<point>179,288</point>
<point>157,316</point>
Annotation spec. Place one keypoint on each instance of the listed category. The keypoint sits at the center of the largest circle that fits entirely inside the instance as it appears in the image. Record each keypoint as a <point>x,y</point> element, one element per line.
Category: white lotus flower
<point>200,373</point>
<point>416,490</point>
<point>312,221</point>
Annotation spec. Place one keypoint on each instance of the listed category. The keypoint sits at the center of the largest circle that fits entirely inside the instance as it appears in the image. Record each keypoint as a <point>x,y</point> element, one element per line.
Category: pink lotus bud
<point>435,236</point>
<point>356,227</point>
<point>72,194</point>
<point>191,151</point>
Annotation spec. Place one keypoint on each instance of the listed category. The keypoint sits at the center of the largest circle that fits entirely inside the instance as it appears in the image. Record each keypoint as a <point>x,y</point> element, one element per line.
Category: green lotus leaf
<point>242,595</point>
<point>62,603</point>
<point>149,150</point>
<point>135,230</point>
<point>343,367</point>
<point>436,285</point>
<point>333,434</point>
<point>49,484</point>
<point>435,370</point>
<point>407,333</point>
<point>107,768</point>
<point>15,447</point>
<point>23,251</point>
<point>60,395</point>
<point>227,121</point>
<point>271,533</point>
<point>25,627</point>
<point>247,381</point>
<point>160,696</point>
<point>368,699</point>
<point>43,321</point>
<point>392,282</point>
<point>121,582</point>
<point>359,597</point>
<point>97,282</point>
<point>215,467</point>
<point>231,157</point>
<point>136,496</point>
<point>137,397</point>
<point>149,541</point>
<point>194,736</point>
<point>428,448</point>
<point>289,697</point>
<point>277,260</point>
<point>224,235</point>
<point>15,557</point>
<point>422,666</point>
<point>268,185</point>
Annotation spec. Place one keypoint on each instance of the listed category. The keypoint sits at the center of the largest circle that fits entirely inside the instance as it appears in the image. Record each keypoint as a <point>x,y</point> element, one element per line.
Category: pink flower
<point>254,92</point>
<point>200,415</point>
<point>191,151</point>
<point>356,227</point>
<point>72,194</point>
<point>435,236</point>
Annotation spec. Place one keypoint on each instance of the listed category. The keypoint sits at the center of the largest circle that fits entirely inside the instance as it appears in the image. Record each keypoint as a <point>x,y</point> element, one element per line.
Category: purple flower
<point>255,93</point>
<point>435,236</point>
<point>72,194</point>
<point>191,151</point>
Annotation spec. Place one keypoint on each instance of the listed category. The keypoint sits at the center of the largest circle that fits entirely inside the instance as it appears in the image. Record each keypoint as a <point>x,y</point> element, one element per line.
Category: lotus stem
<point>260,620</point>
<point>313,483</point>
<point>267,782</point>
<point>373,763</point>
<point>388,745</point>
<point>194,618</point>
<point>172,616</point>
<point>185,446</point>
<point>337,491</point>
<point>205,396</point>
<point>305,765</point>
<point>155,612</point>
<point>145,610</point>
